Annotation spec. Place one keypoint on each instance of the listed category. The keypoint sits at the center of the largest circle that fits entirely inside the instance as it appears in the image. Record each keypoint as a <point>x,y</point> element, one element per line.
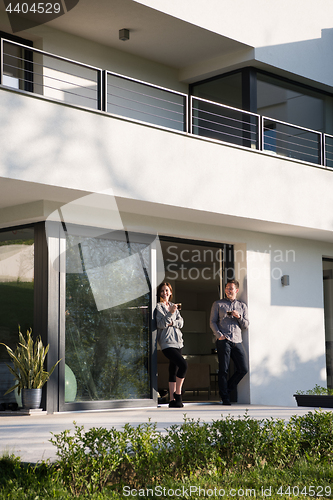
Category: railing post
<point>323,149</point>
<point>101,90</point>
<point>186,114</point>
<point>105,90</point>
<point>1,62</point>
<point>260,133</point>
<point>190,114</point>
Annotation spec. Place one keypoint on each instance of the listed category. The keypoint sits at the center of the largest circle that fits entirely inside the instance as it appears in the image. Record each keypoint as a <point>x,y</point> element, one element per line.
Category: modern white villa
<point>184,140</point>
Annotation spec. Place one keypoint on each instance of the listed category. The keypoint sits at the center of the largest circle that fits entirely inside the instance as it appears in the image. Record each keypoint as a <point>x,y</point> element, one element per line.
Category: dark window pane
<point>225,90</point>
<point>292,103</point>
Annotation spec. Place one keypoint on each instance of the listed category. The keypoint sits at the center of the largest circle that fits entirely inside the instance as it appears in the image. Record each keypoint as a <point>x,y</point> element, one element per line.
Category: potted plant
<point>318,397</point>
<point>28,369</point>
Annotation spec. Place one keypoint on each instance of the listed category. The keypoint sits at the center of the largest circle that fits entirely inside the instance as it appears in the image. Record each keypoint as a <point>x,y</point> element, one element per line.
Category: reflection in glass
<point>16,284</point>
<point>16,296</point>
<point>291,103</point>
<point>107,349</point>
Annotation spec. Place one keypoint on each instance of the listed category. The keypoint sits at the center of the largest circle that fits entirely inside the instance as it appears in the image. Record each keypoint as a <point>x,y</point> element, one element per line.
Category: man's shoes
<point>226,402</point>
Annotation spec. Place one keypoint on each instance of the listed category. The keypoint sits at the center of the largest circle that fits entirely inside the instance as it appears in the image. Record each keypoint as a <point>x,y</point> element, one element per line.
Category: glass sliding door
<point>107,339</point>
<point>16,296</point>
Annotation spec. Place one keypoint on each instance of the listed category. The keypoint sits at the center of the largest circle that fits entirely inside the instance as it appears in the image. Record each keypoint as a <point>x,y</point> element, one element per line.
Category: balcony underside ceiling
<point>34,202</point>
<point>153,34</point>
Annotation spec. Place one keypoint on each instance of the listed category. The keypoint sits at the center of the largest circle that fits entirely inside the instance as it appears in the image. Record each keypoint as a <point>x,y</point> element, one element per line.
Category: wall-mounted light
<point>124,34</point>
<point>285,280</point>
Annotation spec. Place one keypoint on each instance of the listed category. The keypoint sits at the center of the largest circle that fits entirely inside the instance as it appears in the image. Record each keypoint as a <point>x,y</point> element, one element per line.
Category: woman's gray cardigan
<point>169,336</point>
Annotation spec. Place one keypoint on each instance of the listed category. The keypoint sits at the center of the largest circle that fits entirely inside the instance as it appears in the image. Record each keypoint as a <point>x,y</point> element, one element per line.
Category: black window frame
<point>28,59</point>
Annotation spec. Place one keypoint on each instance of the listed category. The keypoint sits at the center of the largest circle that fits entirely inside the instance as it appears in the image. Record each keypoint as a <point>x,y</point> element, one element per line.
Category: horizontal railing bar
<point>224,133</point>
<point>55,88</point>
<point>276,144</point>
<point>142,82</point>
<point>280,146</point>
<point>290,125</point>
<point>289,142</point>
<point>144,95</point>
<point>225,106</point>
<point>146,113</point>
<point>54,56</point>
<point>223,116</point>
<point>43,66</point>
<point>295,151</point>
<point>52,78</point>
<point>289,135</point>
<point>146,104</point>
<point>227,126</point>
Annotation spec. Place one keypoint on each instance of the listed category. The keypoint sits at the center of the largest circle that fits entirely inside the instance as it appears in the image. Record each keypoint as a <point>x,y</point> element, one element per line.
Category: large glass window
<point>272,97</point>
<point>224,89</point>
<point>291,103</point>
<point>107,319</point>
<point>16,295</point>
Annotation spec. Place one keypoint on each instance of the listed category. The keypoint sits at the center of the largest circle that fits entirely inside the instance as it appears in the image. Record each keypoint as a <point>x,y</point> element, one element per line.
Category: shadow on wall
<point>295,375</point>
<point>315,49</point>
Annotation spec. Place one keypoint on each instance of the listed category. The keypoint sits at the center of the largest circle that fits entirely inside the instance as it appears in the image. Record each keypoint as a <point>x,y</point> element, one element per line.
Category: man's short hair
<point>235,282</point>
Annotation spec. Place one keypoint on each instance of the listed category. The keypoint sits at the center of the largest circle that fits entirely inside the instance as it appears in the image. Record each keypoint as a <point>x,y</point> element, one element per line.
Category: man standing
<point>228,318</point>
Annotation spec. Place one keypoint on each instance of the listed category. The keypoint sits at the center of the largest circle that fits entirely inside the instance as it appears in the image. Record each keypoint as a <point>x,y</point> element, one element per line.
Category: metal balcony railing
<point>224,123</point>
<point>145,102</point>
<point>71,82</point>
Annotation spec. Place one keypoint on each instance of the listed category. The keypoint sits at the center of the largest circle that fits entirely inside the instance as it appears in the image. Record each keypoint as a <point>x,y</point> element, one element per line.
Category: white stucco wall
<point>287,336</point>
<point>293,36</point>
<point>58,145</point>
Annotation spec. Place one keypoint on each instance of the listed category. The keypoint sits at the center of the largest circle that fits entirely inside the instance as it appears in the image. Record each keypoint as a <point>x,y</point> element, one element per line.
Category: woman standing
<point>170,339</point>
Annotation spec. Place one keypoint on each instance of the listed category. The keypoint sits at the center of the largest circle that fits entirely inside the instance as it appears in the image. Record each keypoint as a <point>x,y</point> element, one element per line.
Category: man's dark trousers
<point>226,350</point>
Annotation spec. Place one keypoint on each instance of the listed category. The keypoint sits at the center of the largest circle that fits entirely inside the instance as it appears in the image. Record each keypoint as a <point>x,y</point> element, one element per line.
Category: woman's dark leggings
<point>178,365</point>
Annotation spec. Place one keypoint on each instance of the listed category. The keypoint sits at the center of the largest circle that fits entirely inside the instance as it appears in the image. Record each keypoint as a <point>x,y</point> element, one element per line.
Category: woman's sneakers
<point>177,402</point>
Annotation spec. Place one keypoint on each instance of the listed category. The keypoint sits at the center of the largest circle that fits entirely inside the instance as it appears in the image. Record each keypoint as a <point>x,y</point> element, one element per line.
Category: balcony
<point>31,70</point>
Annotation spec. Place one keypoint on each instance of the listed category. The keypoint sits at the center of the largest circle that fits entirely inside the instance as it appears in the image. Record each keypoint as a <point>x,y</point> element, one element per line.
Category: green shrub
<point>281,442</point>
<point>144,455</point>
<point>316,431</point>
<point>88,462</point>
<point>189,448</point>
<point>317,390</point>
<point>239,441</point>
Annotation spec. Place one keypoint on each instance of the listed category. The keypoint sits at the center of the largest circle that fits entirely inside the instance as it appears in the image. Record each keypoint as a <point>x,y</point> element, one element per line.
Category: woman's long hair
<point>165,283</point>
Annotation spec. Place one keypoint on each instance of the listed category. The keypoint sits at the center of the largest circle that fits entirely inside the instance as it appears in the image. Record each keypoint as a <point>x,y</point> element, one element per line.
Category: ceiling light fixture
<point>124,34</point>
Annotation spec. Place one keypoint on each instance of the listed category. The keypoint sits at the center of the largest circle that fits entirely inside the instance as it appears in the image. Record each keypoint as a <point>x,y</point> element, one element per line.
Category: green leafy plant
<point>317,391</point>
<point>88,460</point>
<point>99,461</point>
<point>28,360</point>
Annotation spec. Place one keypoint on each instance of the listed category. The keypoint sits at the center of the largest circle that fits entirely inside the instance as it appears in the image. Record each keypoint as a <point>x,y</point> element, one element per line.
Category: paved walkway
<point>28,436</point>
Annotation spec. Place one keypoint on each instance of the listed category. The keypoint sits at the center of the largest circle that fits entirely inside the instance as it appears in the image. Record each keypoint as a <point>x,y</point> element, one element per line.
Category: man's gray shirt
<point>229,326</point>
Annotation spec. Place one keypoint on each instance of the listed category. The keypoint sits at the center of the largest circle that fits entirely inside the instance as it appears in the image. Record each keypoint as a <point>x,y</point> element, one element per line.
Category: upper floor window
<point>17,63</point>
<point>270,96</point>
